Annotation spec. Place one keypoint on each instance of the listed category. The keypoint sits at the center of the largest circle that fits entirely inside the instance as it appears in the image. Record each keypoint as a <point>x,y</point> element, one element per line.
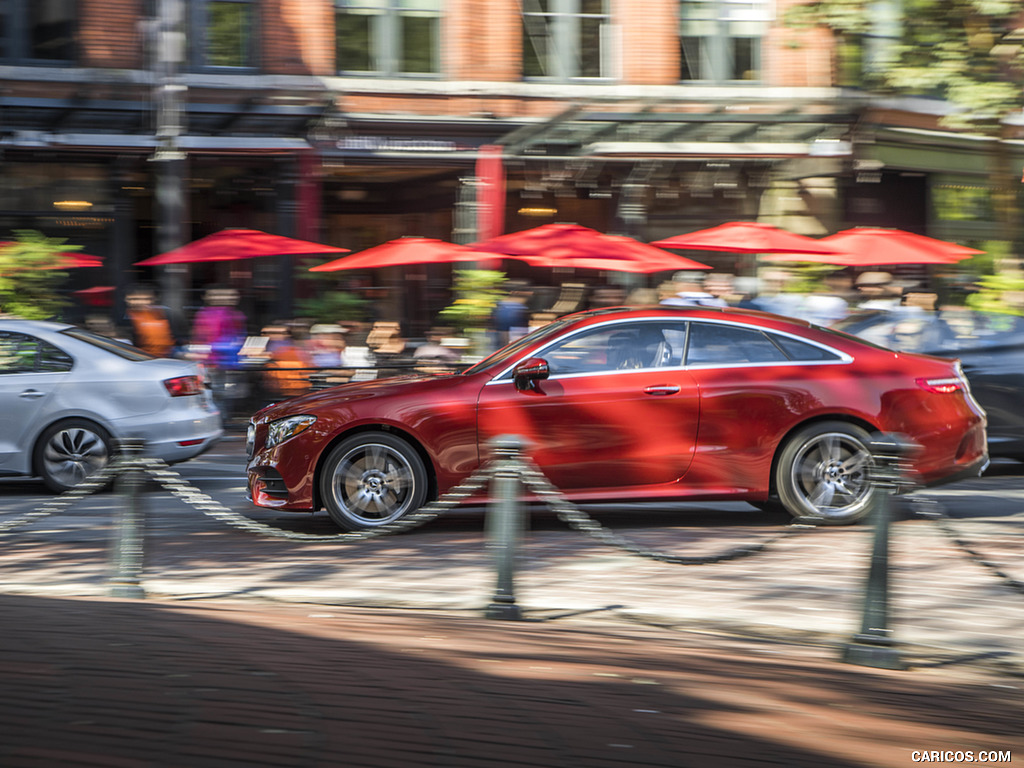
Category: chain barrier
<point>930,509</point>
<point>533,479</point>
<point>171,481</point>
<point>95,482</point>
<point>578,520</point>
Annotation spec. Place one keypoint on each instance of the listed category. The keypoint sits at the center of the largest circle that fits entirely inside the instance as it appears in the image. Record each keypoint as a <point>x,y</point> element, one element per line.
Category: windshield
<point>509,351</point>
<point>119,348</point>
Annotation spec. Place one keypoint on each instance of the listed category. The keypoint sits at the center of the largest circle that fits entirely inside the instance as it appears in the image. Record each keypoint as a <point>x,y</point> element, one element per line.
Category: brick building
<point>131,126</point>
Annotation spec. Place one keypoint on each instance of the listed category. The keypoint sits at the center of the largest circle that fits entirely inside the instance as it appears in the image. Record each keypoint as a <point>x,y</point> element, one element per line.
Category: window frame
<point>718,47</point>
<point>198,26</point>
<point>563,30</point>
<point>387,51</point>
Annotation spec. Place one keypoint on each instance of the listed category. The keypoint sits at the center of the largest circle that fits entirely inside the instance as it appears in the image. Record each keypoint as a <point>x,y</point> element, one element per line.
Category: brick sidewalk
<point>99,682</point>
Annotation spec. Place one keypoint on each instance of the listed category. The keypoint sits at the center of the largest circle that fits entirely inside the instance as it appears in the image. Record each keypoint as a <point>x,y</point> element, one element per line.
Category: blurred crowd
<point>247,366</point>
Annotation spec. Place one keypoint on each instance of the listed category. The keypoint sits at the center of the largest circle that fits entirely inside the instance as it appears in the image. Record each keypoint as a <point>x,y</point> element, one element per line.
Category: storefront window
<point>222,33</point>
<point>565,39</point>
<point>720,40</point>
<point>55,190</point>
<point>37,30</point>
<point>388,37</point>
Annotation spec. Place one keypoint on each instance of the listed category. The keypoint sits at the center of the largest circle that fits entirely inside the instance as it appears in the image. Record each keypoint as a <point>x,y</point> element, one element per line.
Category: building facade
<point>133,126</point>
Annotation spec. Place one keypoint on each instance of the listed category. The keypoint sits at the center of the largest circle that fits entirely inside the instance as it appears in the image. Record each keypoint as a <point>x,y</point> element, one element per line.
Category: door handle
<point>32,393</point>
<point>661,389</point>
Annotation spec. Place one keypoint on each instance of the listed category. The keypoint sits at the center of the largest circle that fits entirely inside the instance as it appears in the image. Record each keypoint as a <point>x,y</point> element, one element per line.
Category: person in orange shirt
<point>287,369</point>
<point>151,329</point>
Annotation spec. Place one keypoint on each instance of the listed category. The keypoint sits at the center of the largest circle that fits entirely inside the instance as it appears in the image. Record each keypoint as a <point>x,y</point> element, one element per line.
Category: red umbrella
<point>97,296</point>
<point>650,263</point>
<point>403,251</point>
<point>74,260</point>
<point>235,244</point>
<point>572,245</point>
<point>874,246</point>
<point>746,237</point>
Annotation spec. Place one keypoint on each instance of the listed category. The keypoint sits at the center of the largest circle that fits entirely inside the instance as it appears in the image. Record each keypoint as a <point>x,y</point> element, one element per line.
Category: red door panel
<point>603,430</point>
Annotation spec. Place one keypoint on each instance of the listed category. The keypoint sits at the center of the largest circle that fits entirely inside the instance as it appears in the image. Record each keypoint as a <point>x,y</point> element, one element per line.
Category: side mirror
<point>529,372</point>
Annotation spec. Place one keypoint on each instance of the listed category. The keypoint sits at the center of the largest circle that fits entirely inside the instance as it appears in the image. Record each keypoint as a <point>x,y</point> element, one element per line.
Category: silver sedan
<point>67,396</point>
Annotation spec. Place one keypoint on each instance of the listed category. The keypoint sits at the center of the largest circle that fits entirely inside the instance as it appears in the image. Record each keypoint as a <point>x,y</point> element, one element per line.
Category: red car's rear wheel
<point>822,473</point>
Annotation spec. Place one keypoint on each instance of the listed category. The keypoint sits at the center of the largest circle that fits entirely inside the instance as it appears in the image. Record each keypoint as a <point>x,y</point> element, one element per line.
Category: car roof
<point>21,323</point>
<point>766,319</point>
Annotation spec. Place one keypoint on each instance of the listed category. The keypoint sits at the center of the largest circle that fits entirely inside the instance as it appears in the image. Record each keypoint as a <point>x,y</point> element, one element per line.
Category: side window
<point>52,360</point>
<point>802,351</point>
<point>623,346</point>
<point>20,353</point>
<point>715,344</point>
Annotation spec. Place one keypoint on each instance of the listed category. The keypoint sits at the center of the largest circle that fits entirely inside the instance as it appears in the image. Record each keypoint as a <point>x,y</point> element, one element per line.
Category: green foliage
<point>809,277</point>
<point>334,307</point>
<point>960,50</point>
<point>30,275</point>
<point>999,293</point>
<point>477,291</point>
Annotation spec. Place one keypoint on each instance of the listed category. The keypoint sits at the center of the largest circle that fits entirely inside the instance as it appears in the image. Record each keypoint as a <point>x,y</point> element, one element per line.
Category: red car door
<point>597,422</point>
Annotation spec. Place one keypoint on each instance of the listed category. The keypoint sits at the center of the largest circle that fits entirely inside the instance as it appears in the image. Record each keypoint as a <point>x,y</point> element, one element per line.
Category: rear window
<point>115,347</point>
<point>715,344</point>
<point>802,351</point>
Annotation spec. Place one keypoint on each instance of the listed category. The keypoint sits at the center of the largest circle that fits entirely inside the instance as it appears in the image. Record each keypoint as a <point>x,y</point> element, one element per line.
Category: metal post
<point>126,581</point>
<point>874,645</point>
<point>504,525</point>
<point>169,45</point>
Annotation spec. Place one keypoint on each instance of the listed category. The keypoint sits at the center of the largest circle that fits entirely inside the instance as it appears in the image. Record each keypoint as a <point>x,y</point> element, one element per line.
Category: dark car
<point>989,345</point>
<point>654,403</point>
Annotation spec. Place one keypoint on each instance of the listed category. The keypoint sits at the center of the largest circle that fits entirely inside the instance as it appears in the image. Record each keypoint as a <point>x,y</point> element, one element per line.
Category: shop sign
<point>384,144</point>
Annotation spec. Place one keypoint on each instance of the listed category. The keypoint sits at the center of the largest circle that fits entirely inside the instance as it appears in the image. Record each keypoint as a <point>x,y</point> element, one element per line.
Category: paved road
<point>805,585</point>
<point>257,651</point>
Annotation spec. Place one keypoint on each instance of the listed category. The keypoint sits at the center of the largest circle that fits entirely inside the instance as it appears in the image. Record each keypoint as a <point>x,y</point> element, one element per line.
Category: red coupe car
<point>625,404</point>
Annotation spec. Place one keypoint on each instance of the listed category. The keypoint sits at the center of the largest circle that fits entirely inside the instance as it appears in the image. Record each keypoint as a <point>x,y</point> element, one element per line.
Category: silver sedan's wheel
<point>70,451</point>
<point>372,479</point>
<point>822,472</point>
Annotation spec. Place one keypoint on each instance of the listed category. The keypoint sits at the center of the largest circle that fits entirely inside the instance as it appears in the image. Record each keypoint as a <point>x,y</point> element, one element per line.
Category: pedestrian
<point>687,290</point>
<point>775,296</point>
<point>511,316</point>
<point>218,332</point>
<point>287,366</point>
<point>434,349</point>
<point>326,345</point>
<point>150,326</point>
<point>877,291</point>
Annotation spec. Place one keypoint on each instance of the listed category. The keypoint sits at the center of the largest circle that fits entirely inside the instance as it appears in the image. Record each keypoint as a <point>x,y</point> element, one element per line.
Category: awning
<point>640,130</point>
<point>223,121</point>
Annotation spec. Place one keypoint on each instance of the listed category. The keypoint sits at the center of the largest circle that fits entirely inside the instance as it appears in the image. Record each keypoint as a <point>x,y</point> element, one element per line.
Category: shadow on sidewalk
<point>101,682</point>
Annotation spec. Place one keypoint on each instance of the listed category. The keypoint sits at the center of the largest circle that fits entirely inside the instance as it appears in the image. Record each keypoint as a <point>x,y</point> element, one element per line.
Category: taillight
<point>942,386</point>
<point>182,386</point>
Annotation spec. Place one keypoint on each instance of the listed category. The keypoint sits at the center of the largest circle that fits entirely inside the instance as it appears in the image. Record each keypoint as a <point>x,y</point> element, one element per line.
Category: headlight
<point>285,429</point>
<point>250,440</point>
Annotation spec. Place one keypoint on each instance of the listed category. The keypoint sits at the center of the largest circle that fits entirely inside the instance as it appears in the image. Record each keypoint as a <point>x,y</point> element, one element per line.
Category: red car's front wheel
<point>372,479</point>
